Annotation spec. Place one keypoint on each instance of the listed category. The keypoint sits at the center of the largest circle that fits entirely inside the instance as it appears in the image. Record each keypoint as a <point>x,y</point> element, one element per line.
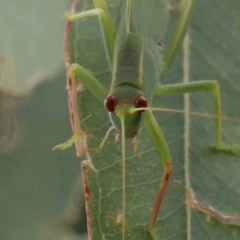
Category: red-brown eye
<point>110,103</point>
<point>140,102</point>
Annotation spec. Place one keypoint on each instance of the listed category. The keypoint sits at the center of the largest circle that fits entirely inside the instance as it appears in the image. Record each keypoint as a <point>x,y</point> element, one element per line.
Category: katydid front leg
<point>199,86</point>
<point>78,73</point>
<point>76,137</point>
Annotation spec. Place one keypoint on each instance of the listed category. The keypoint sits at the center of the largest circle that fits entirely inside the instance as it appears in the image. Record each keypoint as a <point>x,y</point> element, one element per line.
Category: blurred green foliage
<point>35,183</point>
<point>31,40</point>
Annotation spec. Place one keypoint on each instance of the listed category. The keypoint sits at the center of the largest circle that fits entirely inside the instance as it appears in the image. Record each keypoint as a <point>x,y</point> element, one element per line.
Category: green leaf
<point>202,201</point>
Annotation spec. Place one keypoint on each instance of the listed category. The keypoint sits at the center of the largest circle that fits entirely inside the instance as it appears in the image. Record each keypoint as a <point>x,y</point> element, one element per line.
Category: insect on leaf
<point>202,201</point>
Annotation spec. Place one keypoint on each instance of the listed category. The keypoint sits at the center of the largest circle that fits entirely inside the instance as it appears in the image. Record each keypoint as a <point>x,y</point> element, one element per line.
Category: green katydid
<point>133,50</point>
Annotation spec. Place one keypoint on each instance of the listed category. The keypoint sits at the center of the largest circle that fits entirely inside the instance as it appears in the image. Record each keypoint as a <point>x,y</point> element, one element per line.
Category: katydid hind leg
<point>186,9</point>
<point>165,158</point>
<point>206,85</point>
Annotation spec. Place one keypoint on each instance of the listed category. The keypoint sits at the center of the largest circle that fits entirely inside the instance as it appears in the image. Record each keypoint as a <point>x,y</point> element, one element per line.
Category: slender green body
<point>137,57</point>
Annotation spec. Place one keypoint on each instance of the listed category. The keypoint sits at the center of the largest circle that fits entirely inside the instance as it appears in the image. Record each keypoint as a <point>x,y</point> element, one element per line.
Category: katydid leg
<point>186,10</point>
<point>208,85</point>
<point>164,154</point>
<point>76,137</point>
<point>78,73</point>
<point>108,32</point>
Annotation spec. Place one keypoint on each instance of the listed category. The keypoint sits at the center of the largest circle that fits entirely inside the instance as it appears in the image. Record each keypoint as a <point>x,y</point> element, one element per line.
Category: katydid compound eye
<point>140,102</point>
<point>110,103</point>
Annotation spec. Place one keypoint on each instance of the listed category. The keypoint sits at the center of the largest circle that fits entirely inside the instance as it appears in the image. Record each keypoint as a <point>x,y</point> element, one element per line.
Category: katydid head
<point>118,104</point>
